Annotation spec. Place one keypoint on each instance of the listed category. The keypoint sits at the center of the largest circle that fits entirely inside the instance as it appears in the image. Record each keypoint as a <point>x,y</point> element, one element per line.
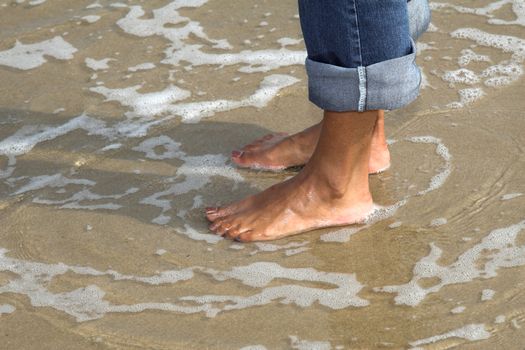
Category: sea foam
<point>504,251</point>
<point>29,56</point>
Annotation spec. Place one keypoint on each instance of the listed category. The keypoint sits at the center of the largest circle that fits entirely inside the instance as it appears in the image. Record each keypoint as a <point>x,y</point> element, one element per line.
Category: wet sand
<point>114,140</point>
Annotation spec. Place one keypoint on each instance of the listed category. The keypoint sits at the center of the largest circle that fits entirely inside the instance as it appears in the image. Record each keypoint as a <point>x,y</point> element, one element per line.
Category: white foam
<point>471,332</point>
<point>515,324</point>
<point>171,148</point>
<point>196,172</point>
<point>510,196</point>
<point>487,294</point>
<point>507,43</point>
<point>458,310</point>
<point>162,23</point>
<point>32,2</point>
<point>503,252</point>
<point>192,233</point>
<point>395,224</point>
<point>6,309</point>
<point>161,252</point>
<point>468,56</point>
<point>145,106</point>
<point>500,319</point>
<point>96,4</point>
<point>295,251</point>
<point>270,247</point>
<point>518,7</point>
<point>142,66</point>
<point>111,147</point>
<point>462,75</point>
<point>438,222</point>
<point>444,171</point>
<point>29,56</point>
<point>29,136</point>
<point>91,18</point>
<point>98,64</point>
<point>466,97</point>
<point>87,303</point>
<point>53,181</point>
<point>261,274</point>
<point>251,61</point>
<point>179,51</point>
<point>118,5</point>
<point>76,199</point>
<point>502,74</point>
<point>301,344</point>
<point>289,41</point>
<point>432,28</point>
<point>496,75</point>
<point>253,347</point>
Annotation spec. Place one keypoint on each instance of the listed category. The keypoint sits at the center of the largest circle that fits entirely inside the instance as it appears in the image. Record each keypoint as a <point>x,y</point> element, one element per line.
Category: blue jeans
<point>361,53</point>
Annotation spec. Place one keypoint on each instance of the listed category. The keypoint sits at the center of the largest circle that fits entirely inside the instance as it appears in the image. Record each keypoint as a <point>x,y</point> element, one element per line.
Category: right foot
<point>280,151</point>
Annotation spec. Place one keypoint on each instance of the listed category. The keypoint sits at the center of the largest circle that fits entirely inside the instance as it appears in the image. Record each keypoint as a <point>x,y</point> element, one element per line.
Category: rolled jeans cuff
<point>388,84</point>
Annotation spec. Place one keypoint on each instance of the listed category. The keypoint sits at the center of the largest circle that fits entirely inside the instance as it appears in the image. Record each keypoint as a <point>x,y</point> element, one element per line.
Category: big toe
<point>251,236</point>
<point>246,158</point>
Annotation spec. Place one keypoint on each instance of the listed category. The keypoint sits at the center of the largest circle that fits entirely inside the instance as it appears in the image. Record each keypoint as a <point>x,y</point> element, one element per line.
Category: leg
<point>280,151</point>
<point>360,60</point>
<point>331,190</point>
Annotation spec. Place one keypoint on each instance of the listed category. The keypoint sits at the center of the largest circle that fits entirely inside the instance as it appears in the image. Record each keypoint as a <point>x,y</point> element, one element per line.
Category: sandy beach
<point>117,120</point>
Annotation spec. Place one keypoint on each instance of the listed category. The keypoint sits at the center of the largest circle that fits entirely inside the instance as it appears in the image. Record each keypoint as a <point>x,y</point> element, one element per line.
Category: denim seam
<point>361,73</point>
<point>358,36</point>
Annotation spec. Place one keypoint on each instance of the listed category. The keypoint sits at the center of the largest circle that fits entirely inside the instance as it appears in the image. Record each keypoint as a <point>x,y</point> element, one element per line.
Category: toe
<point>233,232</point>
<point>213,215</point>
<point>245,160</point>
<point>223,228</point>
<point>222,212</point>
<point>248,236</point>
<point>215,225</point>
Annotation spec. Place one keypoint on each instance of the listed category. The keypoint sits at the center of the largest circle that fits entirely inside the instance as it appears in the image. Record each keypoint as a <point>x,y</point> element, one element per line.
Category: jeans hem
<point>390,84</point>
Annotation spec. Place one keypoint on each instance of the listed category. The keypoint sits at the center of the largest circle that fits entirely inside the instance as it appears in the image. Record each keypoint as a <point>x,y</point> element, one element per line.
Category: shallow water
<point>117,119</point>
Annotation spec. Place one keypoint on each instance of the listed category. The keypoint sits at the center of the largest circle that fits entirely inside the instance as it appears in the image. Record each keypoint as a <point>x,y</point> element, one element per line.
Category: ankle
<point>332,188</point>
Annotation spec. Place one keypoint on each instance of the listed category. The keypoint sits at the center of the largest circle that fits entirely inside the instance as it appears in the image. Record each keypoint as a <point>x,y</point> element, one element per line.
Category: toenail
<point>237,154</point>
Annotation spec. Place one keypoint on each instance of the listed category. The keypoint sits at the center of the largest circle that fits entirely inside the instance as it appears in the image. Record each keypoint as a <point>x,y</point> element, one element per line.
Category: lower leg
<point>331,190</point>
<point>280,151</point>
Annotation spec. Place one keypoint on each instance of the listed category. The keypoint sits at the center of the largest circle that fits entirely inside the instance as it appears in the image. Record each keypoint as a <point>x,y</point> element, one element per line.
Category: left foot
<point>300,204</point>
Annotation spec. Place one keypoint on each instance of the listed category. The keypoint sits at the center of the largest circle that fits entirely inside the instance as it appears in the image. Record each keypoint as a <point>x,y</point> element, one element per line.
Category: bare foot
<point>280,151</point>
<point>299,204</point>
<point>331,190</point>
